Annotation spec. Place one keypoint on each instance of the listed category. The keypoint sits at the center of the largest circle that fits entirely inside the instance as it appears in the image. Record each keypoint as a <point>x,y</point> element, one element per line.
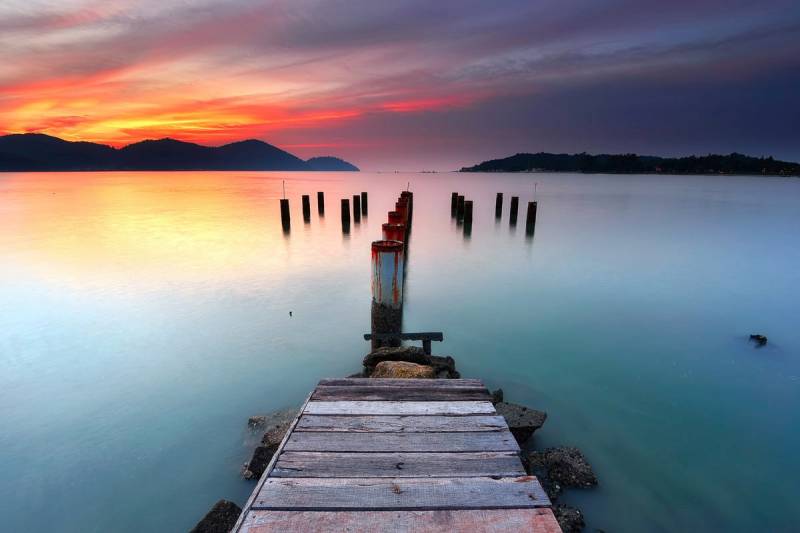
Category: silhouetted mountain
<point>37,152</point>
<point>331,163</point>
<point>636,164</point>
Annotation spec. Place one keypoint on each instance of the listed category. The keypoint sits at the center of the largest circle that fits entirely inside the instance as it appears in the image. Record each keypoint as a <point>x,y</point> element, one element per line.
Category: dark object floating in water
<point>290,313</point>
<point>221,518</point>
<point>761,340</point>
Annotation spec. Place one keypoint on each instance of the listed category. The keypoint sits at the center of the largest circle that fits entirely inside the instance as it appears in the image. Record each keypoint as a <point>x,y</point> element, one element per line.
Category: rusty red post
<point>387,290</point>
<point>394,232</point>
<point>395,218</point>
<point>402,208</point>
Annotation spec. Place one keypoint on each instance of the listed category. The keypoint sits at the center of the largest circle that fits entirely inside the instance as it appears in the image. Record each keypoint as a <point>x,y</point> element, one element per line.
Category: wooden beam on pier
<point>398,455</point>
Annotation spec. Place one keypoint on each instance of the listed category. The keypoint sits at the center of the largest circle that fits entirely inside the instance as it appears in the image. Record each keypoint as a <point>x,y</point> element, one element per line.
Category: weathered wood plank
<point>397,424</point>
<point>371,465</point>
<point>400,394</point>
<point>484,520</point>
<point>400,493</point>
<point>394,382</point>
<point>477,441</point>
<point>399,408</point>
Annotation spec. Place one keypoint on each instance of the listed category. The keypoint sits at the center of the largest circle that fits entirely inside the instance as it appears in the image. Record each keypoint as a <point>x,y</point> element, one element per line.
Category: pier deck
<point>398,455</point>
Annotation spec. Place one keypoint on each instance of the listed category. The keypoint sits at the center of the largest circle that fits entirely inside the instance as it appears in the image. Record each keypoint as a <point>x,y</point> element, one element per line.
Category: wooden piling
<point>306,208</point>
<point>321,203</point>
<point>387,290</point>
<point>285,218</point>
<point>394,232</point>
<point>395,218</point>
<point>364,204</point>
<point>357,208</point>
<point>530,219</point>
<point>512,216</point>
<point>468,211</point>
<point>498,206</point>
<point>453,204</point>
<point>345,213</point>
<point>460,208</point>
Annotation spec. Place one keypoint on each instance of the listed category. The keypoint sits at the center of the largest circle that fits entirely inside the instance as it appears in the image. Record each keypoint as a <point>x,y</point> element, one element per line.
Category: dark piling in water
<point>356,208</point>
<point>285,218</point>
<point>468,212</point>
<point>306,208</point>
<point>396,218</point>
<point>512,215</point>
<point>364,209</point>
<point>460,208</point>
<point>498,205</point>
<point>345,215</point>
<point>453,204</point>
<point>321,203</point>
<point>530,219</point>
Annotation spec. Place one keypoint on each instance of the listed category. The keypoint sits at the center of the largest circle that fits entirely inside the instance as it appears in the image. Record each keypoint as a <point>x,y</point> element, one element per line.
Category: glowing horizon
<point>448,84</point>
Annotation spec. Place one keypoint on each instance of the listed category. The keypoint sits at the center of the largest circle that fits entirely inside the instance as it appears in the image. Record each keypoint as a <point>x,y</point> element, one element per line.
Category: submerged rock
<point>521,420</point>
<point>276,425</point>
<point>569,518</point>
<point>272,420</point>
<point>220,519</point>
<point>402,369</point>
<point>562,467</point>
<point>761,340</point>
<point>497,396</point>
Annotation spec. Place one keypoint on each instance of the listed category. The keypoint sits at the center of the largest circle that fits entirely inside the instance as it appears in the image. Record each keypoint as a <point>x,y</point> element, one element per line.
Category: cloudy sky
<point>409,84</point>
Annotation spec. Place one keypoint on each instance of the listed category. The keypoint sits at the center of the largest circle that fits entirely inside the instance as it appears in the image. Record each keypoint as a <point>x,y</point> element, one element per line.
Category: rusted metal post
<point>387,290</point>
<point>394,232</point>
<point>356,208</point>
<point>285,218</point>
<point>512,216</point>
<point>395,218</point>
<point>321,203</point>
<point>453,204</point>
<point>498,206</point>
<point>364,203</point>
<point>402,207</point>
<point>530,219</point>
<point>306,208</point>
<point>345,214</point>
<point>460,208</point>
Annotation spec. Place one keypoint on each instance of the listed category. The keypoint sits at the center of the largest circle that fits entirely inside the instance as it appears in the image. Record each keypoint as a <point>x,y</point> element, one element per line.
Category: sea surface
<point>145,316</point>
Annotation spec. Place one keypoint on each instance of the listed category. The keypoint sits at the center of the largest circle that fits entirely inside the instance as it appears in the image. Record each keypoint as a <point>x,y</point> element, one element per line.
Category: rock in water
<point>220,519</point>
<point>276,425</point>
<point>565,466</point>
<point>569,518</point>
<point>521,421</point>
<point>497,396</point>
<point>761,340</point>
<point>409,354</point>
<point>402,369</point>
<point>272,420</point>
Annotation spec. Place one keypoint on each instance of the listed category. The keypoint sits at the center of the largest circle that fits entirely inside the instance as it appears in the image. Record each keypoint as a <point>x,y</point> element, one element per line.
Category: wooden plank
<point>371,465</point>
<point>399,408</point>
<point>400,394</point>
<point>484,520</point>
<point>400,493</point>
<point>406,423</point>
<point>478,441</point>
<point>424,335</point>
<point>395,382</point>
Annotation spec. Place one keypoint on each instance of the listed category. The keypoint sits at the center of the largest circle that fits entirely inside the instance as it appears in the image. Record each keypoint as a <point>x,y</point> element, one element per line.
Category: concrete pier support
<point>364,209</point>
<point>306,208</point>
<point>357,208</point>
<point>387,289</point>
<point>498,206</point>
<point>512,216</point>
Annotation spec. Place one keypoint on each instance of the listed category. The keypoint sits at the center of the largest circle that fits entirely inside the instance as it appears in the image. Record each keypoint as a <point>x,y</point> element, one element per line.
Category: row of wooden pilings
<point>388,272</point>
<point>461,210</point>
<point>360,208</point>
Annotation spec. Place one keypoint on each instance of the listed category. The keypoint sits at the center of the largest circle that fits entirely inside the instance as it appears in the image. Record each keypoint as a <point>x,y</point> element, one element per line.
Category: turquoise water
<point>145,316</point>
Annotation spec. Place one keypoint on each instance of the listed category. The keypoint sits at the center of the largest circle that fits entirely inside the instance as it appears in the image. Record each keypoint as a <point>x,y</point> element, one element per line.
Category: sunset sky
<point>409,84</point>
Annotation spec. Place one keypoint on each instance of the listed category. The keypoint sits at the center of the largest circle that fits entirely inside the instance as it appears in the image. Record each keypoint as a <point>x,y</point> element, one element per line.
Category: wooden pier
<point>382,455</point>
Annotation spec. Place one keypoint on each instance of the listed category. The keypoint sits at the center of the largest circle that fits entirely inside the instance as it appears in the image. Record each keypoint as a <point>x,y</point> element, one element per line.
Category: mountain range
<point>38,152</point>
<point>638,164</point>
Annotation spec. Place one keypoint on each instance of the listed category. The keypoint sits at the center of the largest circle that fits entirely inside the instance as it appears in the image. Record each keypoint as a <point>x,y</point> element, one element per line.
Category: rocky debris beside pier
<point>564,465</point>
<point>521,420</point>
<point>220,519</point>
<point>569,518</point>
<point>402,369</point>
<point>443,366</point>
<point>275,425</point>
<point>497,396</point>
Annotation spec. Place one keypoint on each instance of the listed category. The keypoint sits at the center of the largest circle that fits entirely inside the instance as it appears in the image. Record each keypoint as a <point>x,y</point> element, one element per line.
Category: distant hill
<point>331,163</point>
<point>636,164</point>
<point>38,152</point>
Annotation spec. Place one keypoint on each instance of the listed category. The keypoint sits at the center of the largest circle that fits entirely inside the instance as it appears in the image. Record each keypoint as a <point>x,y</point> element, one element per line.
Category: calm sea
<point>145,316</point>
